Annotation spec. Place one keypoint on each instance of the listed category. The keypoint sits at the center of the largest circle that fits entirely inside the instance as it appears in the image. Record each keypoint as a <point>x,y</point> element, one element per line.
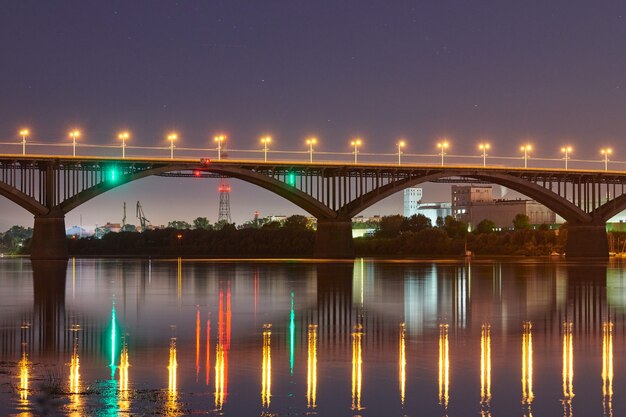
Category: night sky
<point>548,71</point>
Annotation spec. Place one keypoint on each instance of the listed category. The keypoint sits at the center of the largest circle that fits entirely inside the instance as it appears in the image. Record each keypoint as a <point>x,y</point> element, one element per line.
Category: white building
<point>412,198</point>
<point>435,210</point>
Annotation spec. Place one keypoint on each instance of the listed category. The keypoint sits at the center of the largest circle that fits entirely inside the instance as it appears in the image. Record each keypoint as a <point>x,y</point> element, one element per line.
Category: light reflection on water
<point>369,338</point>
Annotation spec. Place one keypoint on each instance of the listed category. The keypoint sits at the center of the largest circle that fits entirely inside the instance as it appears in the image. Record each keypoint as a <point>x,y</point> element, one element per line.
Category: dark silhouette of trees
<point>415,223</point>
<point>390,226</point>
<point>179,224</point>
<point>521,221</point>
<point>292,240</point>
<point>485,226</point>
<point>202,223</point>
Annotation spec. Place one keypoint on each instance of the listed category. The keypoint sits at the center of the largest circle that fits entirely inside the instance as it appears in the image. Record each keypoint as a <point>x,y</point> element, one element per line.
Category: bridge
<point>333,192</point>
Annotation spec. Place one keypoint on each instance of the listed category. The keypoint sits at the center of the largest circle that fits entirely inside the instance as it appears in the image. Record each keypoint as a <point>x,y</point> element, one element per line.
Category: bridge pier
<point>587,241</point>
<point>49,241</point>
<point>333,239</point>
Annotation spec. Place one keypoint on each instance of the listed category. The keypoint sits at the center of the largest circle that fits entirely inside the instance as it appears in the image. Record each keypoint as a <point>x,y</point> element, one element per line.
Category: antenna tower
<point>224,213</point>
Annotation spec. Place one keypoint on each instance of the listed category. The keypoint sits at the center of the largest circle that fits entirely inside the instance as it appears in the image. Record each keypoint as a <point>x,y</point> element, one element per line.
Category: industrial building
<point>412,199</point>
<point>435,210</point>
<point>472,204</point>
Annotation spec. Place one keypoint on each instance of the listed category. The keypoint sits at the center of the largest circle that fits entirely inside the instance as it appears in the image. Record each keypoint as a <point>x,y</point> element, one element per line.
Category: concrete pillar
<point>333,239</point>
<point>586,240</point>
<point>49,241</point>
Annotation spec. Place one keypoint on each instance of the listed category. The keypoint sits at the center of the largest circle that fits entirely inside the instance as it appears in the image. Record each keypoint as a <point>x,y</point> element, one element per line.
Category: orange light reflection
<point>311,374</point>
<point>568,369</point>
<point>444,365</point>
<point>357,364</point>
<point>266,371</point>
<point>402,363</point>
<point>607,368</point>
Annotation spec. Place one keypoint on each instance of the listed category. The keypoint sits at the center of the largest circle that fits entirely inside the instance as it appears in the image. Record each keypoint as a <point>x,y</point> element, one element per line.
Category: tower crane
<point>141,216</point>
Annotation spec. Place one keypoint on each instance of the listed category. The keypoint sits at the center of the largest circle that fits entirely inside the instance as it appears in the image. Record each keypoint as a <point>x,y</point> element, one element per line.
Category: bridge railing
<point>304,156</point>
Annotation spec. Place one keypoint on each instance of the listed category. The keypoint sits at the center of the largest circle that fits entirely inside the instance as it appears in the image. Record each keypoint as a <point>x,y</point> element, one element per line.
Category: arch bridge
<point>49,187</point>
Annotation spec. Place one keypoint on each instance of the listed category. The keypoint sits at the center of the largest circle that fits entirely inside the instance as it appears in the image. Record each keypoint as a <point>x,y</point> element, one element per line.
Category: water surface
<point>370,338</point>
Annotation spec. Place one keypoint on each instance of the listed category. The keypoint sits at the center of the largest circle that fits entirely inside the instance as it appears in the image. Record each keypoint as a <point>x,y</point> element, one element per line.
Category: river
<point>504,337</point>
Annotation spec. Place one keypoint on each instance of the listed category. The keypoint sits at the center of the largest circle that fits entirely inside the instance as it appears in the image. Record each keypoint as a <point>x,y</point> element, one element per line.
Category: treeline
<point>291,239</point>
<point>415,236</point>
<point>13,240</point>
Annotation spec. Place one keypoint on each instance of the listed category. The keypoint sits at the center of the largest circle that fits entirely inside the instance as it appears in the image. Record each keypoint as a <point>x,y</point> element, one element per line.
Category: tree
<point>390,226</point>
<point>416,223</point>
<point>439,222</point>
<point>201,223</point>
<point>521,221</point>
<point>179,224</point>
<point>485,226</point>
<point>296,222</point>
<point>454,228</point>
<point>220,225</point>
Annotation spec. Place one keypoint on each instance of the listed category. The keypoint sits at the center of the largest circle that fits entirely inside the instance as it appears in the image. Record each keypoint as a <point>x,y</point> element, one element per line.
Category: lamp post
<point>400,146</point>
<point>356,143</point>
<point>566,150</point>
<point>484,147</point>
<point>311,142</point>
<point>74,134</point>
<point>526,148</point>
<point>219,139</point>
<point>23,134</point>
<point>606,152</point>
<point>172,137</point>
<point>266,141</point>
<point>123,136</point>
<point>443,146</point>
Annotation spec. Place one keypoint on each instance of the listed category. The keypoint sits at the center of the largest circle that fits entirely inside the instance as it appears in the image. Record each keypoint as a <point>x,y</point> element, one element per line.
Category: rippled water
<point>370,338</point>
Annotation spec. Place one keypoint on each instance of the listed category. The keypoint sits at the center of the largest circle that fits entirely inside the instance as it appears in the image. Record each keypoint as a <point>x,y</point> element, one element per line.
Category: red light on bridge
<point>197,173</point>
<point>205,161</point>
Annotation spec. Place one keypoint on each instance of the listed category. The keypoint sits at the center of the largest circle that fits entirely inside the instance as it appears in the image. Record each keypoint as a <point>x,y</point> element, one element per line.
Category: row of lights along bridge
<point>442,146</point>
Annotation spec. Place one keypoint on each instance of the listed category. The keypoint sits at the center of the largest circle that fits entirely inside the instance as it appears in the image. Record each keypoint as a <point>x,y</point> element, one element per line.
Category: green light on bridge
<point>291,179</point>
<point>113,174</point>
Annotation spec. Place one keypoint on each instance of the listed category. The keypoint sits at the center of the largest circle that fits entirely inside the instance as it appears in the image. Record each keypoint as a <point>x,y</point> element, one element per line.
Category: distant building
<point>77,231</point>
<point>113,227</point>
<point>362,219</point>
<point>502,213</point>
<point>279,218</point>
<point>466,195</point>
<point>435,210</point>
<point>473,204</point>
<point>412,199</point>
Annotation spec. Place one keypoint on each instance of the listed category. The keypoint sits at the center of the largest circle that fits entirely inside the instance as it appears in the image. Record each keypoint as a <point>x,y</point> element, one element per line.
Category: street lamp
<point>23,134</point>
<point>219,139</point>
<point>566,150</point>
<point>443,146</point>
<point>356,143</point>
<point>266,141</point>
<point>606,152</point>
<point>400,146</point>
<point>123,136</point>
<point>172,137</point>
<point>484,147</point>
<point>311,142</point>
<point>526,148</point>
<point>74,134</point>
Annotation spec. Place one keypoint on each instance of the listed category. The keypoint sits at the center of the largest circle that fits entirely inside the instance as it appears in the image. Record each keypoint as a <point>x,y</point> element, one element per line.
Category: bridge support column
<point>49,241</point>
<point>333,239</point>
<point>587,241</point>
